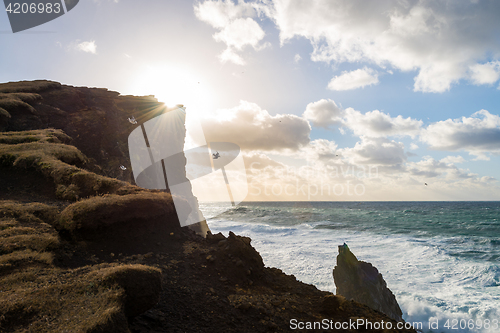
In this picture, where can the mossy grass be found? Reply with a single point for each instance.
(38, 296)
(89, 299)
(107, 210)
(45, 152)
(28, 86)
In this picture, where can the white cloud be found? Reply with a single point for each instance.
(438, 77)
(488, 73)
(230, 55)
(257, 160)
(452, 160)
(431, 168)
(236, 26)
(358, 78)
(219, 14)
(324, 113)
(477, 135)
(376, 151)
(379, 124)
(297, 58)
(251, 127)
(442, 40)
(413, 146)
(89, 47)
(374, 169)
(322, 150)
(241, 32)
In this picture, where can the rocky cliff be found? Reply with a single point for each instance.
(82, 249)
(361, 282)
(96, 121)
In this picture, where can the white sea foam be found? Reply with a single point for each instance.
(428, 282)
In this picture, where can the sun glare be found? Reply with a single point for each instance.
(172, 86)
(176, 85)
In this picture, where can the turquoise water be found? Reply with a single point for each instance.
(441, 259)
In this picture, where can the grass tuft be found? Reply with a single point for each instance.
(45, 152)
(104, 211)
(28, 86)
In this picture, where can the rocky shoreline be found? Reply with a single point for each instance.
(82, 249)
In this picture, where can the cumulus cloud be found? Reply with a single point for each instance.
(428, 167)
(240, 32)
(325, 113)
(322, 150)
(89, 47)
(488, 73)
(374, 169)
(229, 55)
(452, 160)
(358, 78)
(379, 124)
(253, 128)
(259, 161)
(376, 151)
(237, 28)
(219, 14)
(445, 41)
(477, 135)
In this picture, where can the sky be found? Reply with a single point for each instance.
(329, 100)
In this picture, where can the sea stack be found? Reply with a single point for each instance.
(361, 282)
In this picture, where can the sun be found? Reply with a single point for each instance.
(174, 85)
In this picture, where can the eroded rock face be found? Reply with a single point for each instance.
(95, 120)
(360, 281)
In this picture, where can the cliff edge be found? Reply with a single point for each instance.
(83, 249)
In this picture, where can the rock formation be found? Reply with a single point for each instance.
(361, 282)
(94, 120)
(82, 249)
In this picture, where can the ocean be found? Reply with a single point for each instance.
(440, 259)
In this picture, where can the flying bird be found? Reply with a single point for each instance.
(132, 120)
(216, 156)
(425, 184)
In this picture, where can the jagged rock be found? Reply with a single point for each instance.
(102, 146)
(361, 282)
(81, 248)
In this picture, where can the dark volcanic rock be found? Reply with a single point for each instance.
(361, 282)
(94, 120)
(84, 250)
